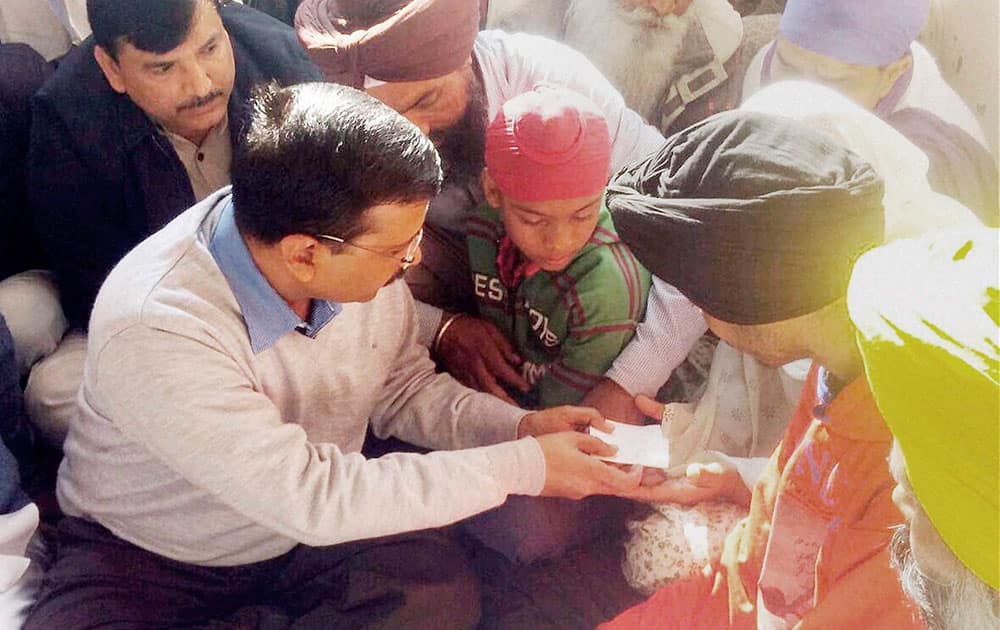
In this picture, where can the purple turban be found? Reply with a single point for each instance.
(387, 40)
(859, 32)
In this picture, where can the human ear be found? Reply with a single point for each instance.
(299, 253)
(493, 195)
(110, 69)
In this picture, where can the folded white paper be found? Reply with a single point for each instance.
(643, 445)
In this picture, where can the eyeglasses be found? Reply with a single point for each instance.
(405, 262)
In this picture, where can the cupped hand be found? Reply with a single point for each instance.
(713, 481)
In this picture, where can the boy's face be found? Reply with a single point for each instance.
(548, 233)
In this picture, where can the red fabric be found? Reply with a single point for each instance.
(691, 604)
(831, 472)
(388, 40)
(548, 144)
(512, 266)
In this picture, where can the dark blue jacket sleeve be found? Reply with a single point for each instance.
(78, 214)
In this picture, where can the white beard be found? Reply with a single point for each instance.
(963, 603)
(636, 50)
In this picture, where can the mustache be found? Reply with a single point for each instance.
(200, 101)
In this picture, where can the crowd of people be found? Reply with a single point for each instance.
(305, 299)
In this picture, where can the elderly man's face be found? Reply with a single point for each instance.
(862, 84)
(186, 89)
(949, 595)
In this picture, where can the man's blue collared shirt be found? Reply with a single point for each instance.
(268, 317)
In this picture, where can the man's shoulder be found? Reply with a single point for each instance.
(512, 64)
(77, 84)
(169, 277)
(77, 108)
(608, 281)
(520, 47)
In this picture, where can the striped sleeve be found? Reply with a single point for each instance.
(605, 305)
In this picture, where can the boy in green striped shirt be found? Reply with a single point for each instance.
(548, 268)
(549, 271)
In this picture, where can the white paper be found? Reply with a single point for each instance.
(643, 445)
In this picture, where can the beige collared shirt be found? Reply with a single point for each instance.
(207, 165)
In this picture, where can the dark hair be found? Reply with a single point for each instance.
(316, 156)
(156, 26)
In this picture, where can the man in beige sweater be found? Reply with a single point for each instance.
(236, 360)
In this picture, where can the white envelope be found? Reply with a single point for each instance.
(643, 445)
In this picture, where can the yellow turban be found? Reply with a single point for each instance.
(927, 313)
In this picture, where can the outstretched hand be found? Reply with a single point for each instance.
(479, 356)
(573, 470)
(700, 482)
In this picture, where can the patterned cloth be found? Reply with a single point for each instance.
(739, 419)
(676, 542)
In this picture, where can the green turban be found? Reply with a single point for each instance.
(927, 313)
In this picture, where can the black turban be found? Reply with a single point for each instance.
(755, 218)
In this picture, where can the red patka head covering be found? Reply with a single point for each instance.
(549, 143)
(356, 41)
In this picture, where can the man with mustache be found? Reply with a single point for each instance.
(427, 60)
(135, 126)
(927, 315)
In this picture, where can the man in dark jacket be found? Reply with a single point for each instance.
(135, 126)
(28, 298)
